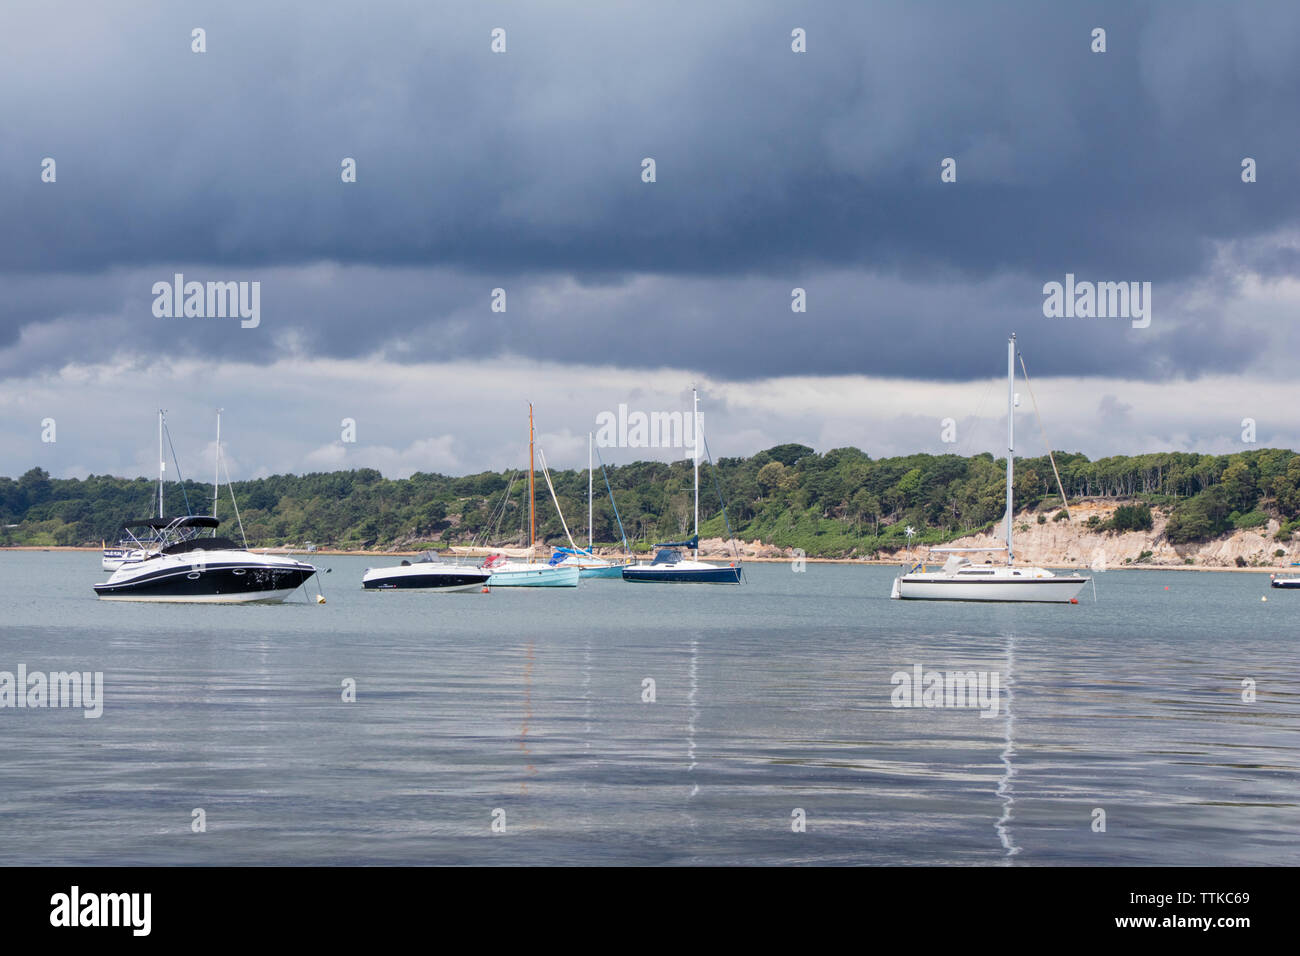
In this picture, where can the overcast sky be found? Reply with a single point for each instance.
(522, 171)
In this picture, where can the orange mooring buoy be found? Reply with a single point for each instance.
(486, 590)
(1074, 600)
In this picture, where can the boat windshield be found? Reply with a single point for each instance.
(668, 556)
(201, 544)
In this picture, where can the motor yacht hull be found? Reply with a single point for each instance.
(428, 577)
(211, 577)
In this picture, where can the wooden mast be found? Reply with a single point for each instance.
(532, 497)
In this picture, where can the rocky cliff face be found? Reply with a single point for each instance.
(1067, 543)
(1072, 544)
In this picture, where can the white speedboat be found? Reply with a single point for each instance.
(960, 580)
(1286, 583)
(133, 547)
(204, 570)
(425, 574)
(192, 565)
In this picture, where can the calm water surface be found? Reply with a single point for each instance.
(768, 697)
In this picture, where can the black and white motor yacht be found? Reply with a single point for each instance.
(192, 568)
(426, 574)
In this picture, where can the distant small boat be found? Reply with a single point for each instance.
(133, 546)
(425, 574)
(588, 565)
(669, 565)
(1290, 584)
(510, 573)
(529, 574)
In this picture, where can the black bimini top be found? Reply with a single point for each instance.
(185, 521)
(202, 544)
(197, 521)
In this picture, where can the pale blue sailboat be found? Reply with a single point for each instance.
(585, 560)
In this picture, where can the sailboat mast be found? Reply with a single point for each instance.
(216, 471)
(532, 497)
(695, 397)
(162, 462)
(1011, 433)
(590, 474)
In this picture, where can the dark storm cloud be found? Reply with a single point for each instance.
(518, 170)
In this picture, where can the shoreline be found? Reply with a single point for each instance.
(891, 562)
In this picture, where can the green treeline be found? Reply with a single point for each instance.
(834, 504)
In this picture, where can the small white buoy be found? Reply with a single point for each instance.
(320, 599)
(1264, 597)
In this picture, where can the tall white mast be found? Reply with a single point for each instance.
(1011, 433)
(589, 478)
(695, 396)
(216, 473)
(162, 462)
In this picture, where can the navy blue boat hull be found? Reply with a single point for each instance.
(685, 576)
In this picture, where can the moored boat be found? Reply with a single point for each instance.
(192, 565)
(204, 570)
(960, 580)
(529, 573)
(670, 566)
(426, 574)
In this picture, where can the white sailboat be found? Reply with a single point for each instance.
(669, 566)
(530, 573)
(960, 580)
(585, 560)
(134, 547)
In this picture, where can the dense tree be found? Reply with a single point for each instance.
(841, 502)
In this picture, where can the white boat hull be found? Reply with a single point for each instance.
(197, 576)
(425, 576)
(257, 597)
(944, 587)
